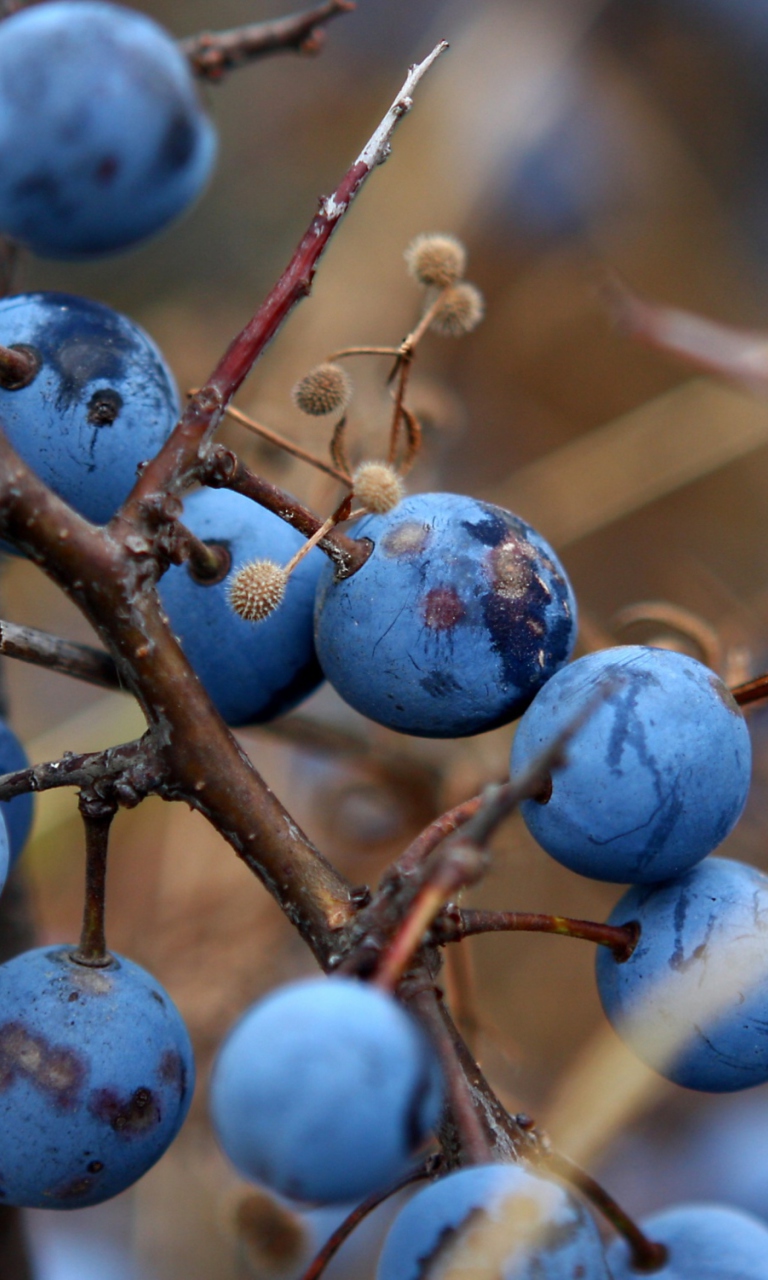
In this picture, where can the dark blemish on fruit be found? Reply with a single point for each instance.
(54, 1069)
(442, 608)
(178, 144)
(439, 684)
(725, 695)
(406, 540)
(73, 995)
(104, 407)
(106, 170)
(95, 1166)
(74, 1190)
(173, 1071)
(511, 568)
(156, 996)
(129, 1116)
(491, 530)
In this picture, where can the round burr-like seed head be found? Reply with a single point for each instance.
(257, 589)
(460, 310)
(377, 486)
(437, 260)
(324, 389)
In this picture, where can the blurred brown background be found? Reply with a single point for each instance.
(557, 140)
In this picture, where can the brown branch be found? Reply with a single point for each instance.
(223, 469)
(211, 54)
(460, 923)
(97, 817)
(288, 446)
(751, 691)
(130, 771)
(433, 835)
(175, 465)
(81, 661)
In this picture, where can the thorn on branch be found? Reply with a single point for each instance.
(212, 54)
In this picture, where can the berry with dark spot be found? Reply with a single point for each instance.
(493, 1220)
(456, 619)
(102, 401)
(88, 1099)
(692, 999)
(655, 777)
(704, 1242)
(253, 671)
(325, 1090)
(102, 134)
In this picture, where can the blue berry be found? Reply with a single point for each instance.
(96, 1078)
(692, 999)
(102, 401)
(655, 778)
(18, 813)
(705, 1242)
(102, 135)
(458, 616)
(494, 1220)
(252, 671)
(324, 1091)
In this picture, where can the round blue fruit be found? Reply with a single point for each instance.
(325, 1090)
(497, 1220)
(96, 1078)
(253, 671)
(102, 135)
(692, 999)
(102, 401)
(457, 618)
(18, 813)
(705, 1242)
(656, 776)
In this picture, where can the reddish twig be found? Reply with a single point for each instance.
(175, 465)
(458, 923)
(751, 691)
(211, 54)
(81, 661)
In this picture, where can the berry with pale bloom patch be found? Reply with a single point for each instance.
(325, 389)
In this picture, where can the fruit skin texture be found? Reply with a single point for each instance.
(18, 813)
(692, 999)
(459, 615)
(517, 1227)
(103, 401)
(324, 1090)
(102, 133)
(96, 1078)
(253, 671)
(655, 778)
(705, 1242)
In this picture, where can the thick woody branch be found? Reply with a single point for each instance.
(212, 53)
(128, 772)
(176, 463)
(81, 661)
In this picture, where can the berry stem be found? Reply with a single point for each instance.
(287, 445)
(211, 54)
(458, 924)
(646, 1255)
(341, 513)
(18, 367)
(751, 691)
(97, 817)
(427, 1169)
(81, 661)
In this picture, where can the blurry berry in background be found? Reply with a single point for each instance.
(656, 776)
(103, 139)
(253, 671)
(96, 1076)
(705, 1242)
(495, 1220)
(459, 615)
(102, 401)
(692, 999)
(18, 813)
(325, 1090)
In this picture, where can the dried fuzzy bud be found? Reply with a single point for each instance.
(437, 260)
(257, 589)
(322, 390)
(460, 310)
(377, 487)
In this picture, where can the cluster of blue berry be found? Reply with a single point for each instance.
(455, 618)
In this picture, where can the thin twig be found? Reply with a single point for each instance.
(460, 923)
(286, 445)
(175, 465)
(751, 691)
(647, 1256)
(81, 661)
(211, 54)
